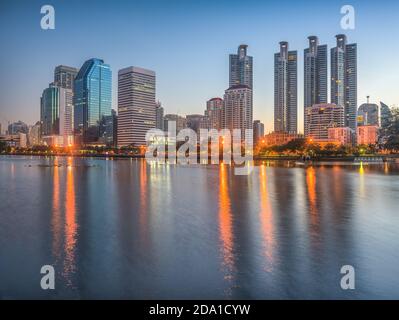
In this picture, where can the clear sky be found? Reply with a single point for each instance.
(187, 44)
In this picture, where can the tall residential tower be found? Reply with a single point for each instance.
(285, 90)
(344, 79)
(315, 75)
(241, 68)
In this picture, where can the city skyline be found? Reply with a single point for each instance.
(190, 97)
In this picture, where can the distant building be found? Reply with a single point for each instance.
(315, 74)
(259, 131)
(64, 76)
(321, 117)
(342, 135)
(368, 115)
(213, 114)
(194, 121)
(110, 133)
(17, 127)
(285, 90)
(136, 105)
(34, 136)
(280, 138)
(159, 116)
(386, 115)
(367, 135)
(344, 79)
(237, 110)
(180, 122)
(92, 100)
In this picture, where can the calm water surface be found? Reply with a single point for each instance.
(125, 229)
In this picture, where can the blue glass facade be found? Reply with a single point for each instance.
(92, 100)
(50, 111)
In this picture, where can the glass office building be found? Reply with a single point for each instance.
(50, 111)
(92, 101)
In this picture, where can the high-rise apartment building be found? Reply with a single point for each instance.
(213, 114)
(92, 100)
(237, 110)
(136, 105)
(241, 68)
(315, 74)
(344, 79)
(321, 117)
(285, 90)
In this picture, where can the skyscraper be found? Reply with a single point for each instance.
(64, 76)
(285, 90)
(237, 111)
(92, 100)
(344, 79)
(241, 67)
(136, 105)
(315, 74)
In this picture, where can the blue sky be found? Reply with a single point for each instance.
(187, 44)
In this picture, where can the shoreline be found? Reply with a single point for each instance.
(255, 158)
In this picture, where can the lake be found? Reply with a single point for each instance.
(125, 229)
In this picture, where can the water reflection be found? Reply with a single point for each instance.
(70, 224)
(312, 195)
(266, 218)
(226, 227)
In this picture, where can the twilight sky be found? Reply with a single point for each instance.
(187, 44)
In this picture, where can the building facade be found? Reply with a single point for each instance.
(280, 138)
(259, 131)
(136, 105)
(321, 117)
(315, 74)
(50, 111)
(342, 135)
(285, 90)
(64, 76)
(213, 114)
(344, 79)
(237, 110)
(367, 135)
(92, 101)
